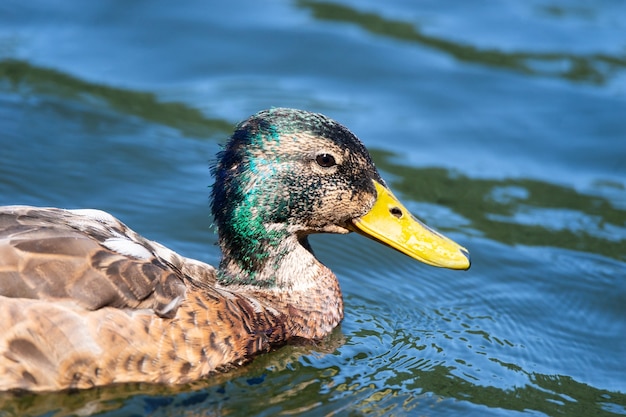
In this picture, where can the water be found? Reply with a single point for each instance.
(503, 124)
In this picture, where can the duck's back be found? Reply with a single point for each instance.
(86, 301)
(86, 257)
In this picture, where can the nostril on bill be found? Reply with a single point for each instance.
(396, 212)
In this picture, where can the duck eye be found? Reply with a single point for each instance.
(325, 160)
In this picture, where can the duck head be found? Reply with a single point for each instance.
(285, 174)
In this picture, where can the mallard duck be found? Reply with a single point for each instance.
(85, 301)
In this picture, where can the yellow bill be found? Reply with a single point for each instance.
(389, 222)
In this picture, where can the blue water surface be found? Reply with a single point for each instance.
(502, 124)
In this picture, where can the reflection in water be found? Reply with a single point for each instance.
(552, 395)
(26, 79)
(593, 68)
(400, 381)
(518, 211)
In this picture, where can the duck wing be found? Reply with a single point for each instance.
(92, 259)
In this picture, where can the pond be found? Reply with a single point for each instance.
(502, 124)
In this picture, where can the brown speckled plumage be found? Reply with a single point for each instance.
(85, 301)
(77, 314)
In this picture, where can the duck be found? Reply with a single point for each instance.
(86, 301)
